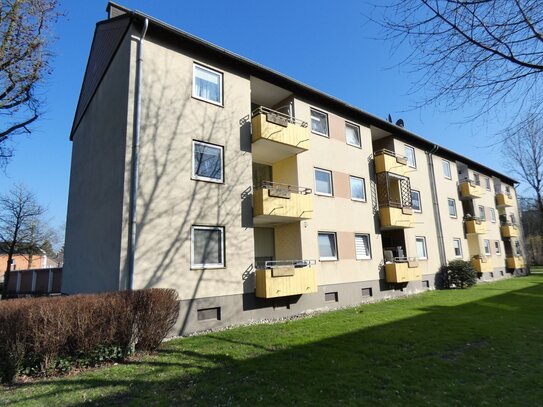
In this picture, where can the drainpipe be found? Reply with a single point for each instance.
(132, 215)
(435, 205)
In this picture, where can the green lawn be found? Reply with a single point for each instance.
(482, 346)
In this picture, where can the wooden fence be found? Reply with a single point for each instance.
(35, 282)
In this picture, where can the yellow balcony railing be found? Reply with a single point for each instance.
(286, 279)
(482, 264)
(475, 226)
(282, 203)
(396, 218)
(277, 136)
(510, 230)
(469, 190)
(388, 161)
(402, 272)
(516, 262)
(503, 200)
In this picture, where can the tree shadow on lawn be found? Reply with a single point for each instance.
(486, 351)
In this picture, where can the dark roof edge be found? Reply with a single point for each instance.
(368, 117)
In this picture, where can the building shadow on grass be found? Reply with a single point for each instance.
(481, 352)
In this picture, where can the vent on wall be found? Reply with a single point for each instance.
(331, 297)
(491, 274)
(425, 283)
(209, 314)
(501, 273)
(367, 292)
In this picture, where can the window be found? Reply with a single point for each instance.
(457, 244)
(323, 182)
(352, 134)
(497, 247)
(319, 123)
(452, 207)
(482, 215)
(487, 184)
(415, 201)
(421, 247)
(358, 189)
(447, 169)
(362, 246)
(327, 246)
(207, 246)
(492, 215)
(486, 244)
(207, 84)
(476, 178)
(410, 154)
(207, 162)
(517, 248)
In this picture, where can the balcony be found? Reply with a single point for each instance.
(396, 218)
(281, 203)
(285, 277)
(515, 262)
(403, 270)
(504, 200)
(389, 161)
(509, 230)
(277, 136)
(482, 264)
(470, 189)
(475, 226)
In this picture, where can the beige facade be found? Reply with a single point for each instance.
(258, 197)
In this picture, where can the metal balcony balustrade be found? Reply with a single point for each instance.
(279, 190)
(472, 182)
(279, 118)
(393, 191)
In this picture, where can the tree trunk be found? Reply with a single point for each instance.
(7, 274)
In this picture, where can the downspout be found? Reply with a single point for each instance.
(435, 205)
(132, 215)
(522, 237)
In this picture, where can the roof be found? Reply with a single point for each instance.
(116, 11)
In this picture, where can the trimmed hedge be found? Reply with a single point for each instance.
(40, 336)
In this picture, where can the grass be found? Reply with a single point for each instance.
(482, 346)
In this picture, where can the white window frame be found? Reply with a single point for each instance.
(497, 248)
(487, 184)
(486, 245)
(205, 265)
(458, 256)
(203, 178)
(408, 147)
(483, 218)
(420, 201)
(212, 71)
(357, 129)
(423, 239)
(327, 134)
(447, 164)
(331, 182)
(361, 257)
(328, 258)
(351, 178)
(492, 215)
(449, 200)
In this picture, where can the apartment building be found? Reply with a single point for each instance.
(256, 196)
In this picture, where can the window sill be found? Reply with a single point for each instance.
(211, 180)
(199, 268)
(320, 134)
(363, 258)
(327, 260)
(211, 102)
(325, 195)
(355, 145)
(358, 200)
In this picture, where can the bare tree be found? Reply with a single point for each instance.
(22, 228)
(24, 62)
(523, 150)
(489, 51)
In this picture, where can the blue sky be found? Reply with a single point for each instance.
(327, 45)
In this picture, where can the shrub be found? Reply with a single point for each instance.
(461, 274)
(44, 335)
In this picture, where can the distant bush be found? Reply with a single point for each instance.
(40, 336)
(460, 274)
